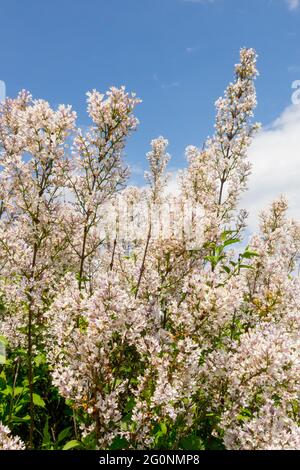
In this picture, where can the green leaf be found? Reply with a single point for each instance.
(8, 391)
(249, 254)
(213, 259)
(192, 443)
(226, 269)
(38, 401)
(18, 408)
(40, 359)
(71, 444)
(119, 443)
(46, 435)
(3, 376)
(25, 419)
(18, 391)
(226, 233)
(232, 241)
(129, 405)
(163, 428)
(219, 251)
(63, 434)
(3, 340)
(246, 266)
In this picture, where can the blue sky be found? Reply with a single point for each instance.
(177, 55)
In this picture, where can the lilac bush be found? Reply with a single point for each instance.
(134, 317)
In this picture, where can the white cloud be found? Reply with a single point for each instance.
(2, 91)
(173, 186)
(275, 154)
(293, 4)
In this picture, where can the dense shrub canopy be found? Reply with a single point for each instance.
(132, 317)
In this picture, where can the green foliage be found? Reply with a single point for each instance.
(218, 254)
(53, 417)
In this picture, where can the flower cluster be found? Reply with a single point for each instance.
(9, 442)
